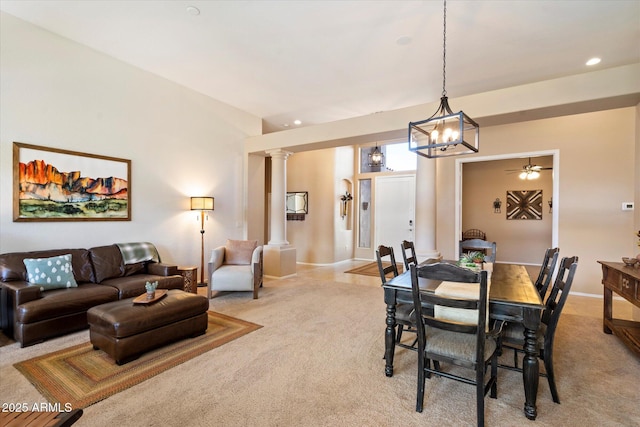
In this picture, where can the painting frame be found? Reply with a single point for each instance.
(62, 192)
(524, 204)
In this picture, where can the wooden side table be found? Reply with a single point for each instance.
(624, 281)
(190, 276)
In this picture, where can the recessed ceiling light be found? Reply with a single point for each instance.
(297, 122)
(192, 10)
(593, 61)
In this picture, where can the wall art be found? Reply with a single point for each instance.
(51, 184)
(524, 204)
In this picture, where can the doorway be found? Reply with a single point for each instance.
(394, 211)
(549, 212)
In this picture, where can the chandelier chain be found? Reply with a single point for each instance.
(444, 51)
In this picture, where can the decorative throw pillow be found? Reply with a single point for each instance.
(50, 273)
(239, 252)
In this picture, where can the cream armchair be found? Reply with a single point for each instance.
(236, 266)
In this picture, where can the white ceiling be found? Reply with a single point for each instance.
(321, 61)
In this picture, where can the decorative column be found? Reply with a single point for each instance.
(279, 256)
(425, 232)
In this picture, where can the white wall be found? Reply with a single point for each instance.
(57, 93)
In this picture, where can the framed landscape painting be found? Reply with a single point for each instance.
(50, 184)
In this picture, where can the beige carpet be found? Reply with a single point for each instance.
(317, 361)
(81, 376)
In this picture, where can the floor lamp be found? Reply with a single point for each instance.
(202, 204)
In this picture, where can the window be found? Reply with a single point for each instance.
(397, 158)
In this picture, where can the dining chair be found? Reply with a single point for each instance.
(442, 339)
(546, 271)
(387, 266)
(479, 245)
(513, 334)
(409, 258)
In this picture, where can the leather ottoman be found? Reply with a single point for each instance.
(125, 330)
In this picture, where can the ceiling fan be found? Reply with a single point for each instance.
(529, 171)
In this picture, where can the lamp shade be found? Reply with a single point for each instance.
(202, 203)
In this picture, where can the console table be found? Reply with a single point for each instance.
(624, 281)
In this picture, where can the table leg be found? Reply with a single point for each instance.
(390, 339)
(530, 364)
(608, 312)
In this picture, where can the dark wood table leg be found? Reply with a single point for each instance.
(530, 364)
(390, 340)
(390, 331)
(608, 312)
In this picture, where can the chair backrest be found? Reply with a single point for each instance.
(450, 273)
(479, 244)
(409, 258)
(546, 271)
(557, 298)
(381, 253)
(474, 233)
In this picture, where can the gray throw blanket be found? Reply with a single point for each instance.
(136, 252)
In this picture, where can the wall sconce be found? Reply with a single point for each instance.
(496, 205)
(550, 202)
(202, 204)
(345, 198)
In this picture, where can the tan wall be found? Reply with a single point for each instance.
(323, 237)
(596, 174)
(482, 183)
(255, 218)
(313, 238)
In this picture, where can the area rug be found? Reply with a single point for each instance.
(82, 376)
(371, 269)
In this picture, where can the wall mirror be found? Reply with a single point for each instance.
(298, 202)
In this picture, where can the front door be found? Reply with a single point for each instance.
(394, 211)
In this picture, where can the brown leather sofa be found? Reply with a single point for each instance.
(30, 315)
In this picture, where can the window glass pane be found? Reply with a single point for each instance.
(364, 214)
(399, 158)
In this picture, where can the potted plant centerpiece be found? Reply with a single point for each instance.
(472, 260)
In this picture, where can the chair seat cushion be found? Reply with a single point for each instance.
(457, 345)
(232, 278)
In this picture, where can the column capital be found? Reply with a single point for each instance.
(279, 153)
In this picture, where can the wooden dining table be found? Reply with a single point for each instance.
(512, 298)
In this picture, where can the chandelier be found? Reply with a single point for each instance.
(445, 133)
